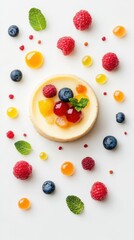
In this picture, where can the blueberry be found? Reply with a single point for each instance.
(16, 75)
(120, 117)
(109, 142)
(48, 187)
(13, 31)
(65, 93)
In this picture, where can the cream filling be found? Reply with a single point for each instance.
(54, 131)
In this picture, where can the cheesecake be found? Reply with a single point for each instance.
(63, 108)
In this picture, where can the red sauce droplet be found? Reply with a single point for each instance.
(103, 38)
(111, 172)
(60, 147)
(11, 96)
(125, 133)
(39, 42)
(22, 47)
(31, 37)
(85, 44)
(85, 145)
(105, 93)
(25, 135)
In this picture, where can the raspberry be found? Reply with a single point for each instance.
(49, 91)
(82, 20)
(110, 61)
(22, 170)
(10, 134)
(73, 116)
(98, 191)
(88, 163)
(66, 44)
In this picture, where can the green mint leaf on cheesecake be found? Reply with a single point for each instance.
(23, 147)
(79, 105)
(37, 19)
(75, 204)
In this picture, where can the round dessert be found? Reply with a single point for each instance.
(63, 108)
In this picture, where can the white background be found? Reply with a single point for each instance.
(49, 218)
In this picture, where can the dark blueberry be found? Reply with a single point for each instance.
(120, 117)
(13, 31)
(109, 142)
(65, 94)
(48, 187)
(16, 75)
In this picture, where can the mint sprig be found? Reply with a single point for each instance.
(23, 147)
(75, 204)
(37, 19)
(78, 105)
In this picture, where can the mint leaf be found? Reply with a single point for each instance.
(79, 105)
(23, 147)
(75, 204)
(37, 19)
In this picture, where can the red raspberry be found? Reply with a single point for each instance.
(22, 170)
(98, 191)
(110, 61)
(10, 134)
(82, 20)
(49, 91)
(66, 44)
(88, 163)
(61, 108)
(73, 115)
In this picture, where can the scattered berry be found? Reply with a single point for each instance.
(109, 142)
(119, 96)
(85, 145)
(24, 134)
(120, 117)
(61, 108)
(82, 20)
(66, 45)
(24, 203)
(10, 134)
(67, 168)
(111, 172)
(110, 61)
(105, 93)
(16, 75)
(64, 94)
(88, 163)
(98, 191)
(85, 44)
(22, 170)
(48, 187)
(31, 37)
(11, 96)
(49, 91)
(13, 30)
(22, 47)
(125, 133)
(103, 39)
